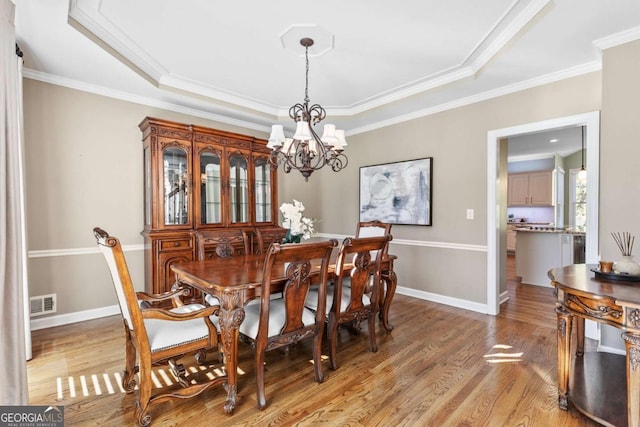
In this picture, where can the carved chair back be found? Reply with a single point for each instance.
(373, 229)
(222, 243)
(268, 235)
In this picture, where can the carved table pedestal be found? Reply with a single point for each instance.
(596, 383)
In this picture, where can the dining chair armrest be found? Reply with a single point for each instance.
(174, 293)
(161, 314)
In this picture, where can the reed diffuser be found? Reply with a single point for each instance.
(626, 265)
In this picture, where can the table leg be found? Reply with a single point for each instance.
(632, 344)
(391, 281)
(231, 316)
(564, 356)
(579, 336)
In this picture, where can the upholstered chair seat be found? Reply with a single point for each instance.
(165, 334)
(277, 318)
(312, 298)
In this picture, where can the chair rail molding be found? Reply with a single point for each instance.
(423, 243)
(47, 253)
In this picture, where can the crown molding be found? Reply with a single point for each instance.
(587, 68)
(529, 157)
(151, 102)
(505, 90)
(617, 39)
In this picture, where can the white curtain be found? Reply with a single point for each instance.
(13, 354)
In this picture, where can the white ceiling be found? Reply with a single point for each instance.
(562, 141)
(375, 62)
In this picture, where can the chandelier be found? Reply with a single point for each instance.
(306, 151)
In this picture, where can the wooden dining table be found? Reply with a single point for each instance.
(237, 280)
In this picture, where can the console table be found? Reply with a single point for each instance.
(594, 382)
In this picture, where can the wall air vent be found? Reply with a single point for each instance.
(43, 304)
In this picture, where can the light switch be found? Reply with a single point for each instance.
(469, 213)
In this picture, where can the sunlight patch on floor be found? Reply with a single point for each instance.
(323, 358)
(503, 356)
(96, 384)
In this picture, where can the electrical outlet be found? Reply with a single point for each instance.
(469, 213)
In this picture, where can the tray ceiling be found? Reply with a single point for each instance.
(374, 62)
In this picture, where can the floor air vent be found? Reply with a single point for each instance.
(43, 304)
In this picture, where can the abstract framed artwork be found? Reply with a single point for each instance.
(397, 193)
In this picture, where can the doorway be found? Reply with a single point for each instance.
(495, 223)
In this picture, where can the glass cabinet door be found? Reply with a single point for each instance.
(176, 186)
(147, 186)
(238, 189)
(262, 189)
(210, 188)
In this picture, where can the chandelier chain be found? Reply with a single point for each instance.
(306, 80)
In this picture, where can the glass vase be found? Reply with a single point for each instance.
(292, 238)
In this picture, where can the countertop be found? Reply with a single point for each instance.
(547, 229)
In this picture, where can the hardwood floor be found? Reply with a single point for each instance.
(441, 366)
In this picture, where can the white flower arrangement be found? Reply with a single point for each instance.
(294, 221)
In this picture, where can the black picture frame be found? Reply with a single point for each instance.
(397, 193)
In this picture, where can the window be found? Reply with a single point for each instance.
(577, 199)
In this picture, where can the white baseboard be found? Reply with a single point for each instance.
(441, 299)
(504, 297)
(614, 350)
(80, 316)
(65, 319)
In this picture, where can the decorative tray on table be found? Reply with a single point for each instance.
(616, 276)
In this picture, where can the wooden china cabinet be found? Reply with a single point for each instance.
(197, 178)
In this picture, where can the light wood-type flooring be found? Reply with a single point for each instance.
(441, 366)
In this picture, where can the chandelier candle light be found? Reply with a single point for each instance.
(306, 151)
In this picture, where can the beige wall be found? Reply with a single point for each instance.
(84, 167)
(620, 147)
(619, 156)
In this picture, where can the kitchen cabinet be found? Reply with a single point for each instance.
(530, 189)
(197, 178)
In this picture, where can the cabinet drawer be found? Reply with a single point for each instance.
(175, 244)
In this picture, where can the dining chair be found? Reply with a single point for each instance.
(156, 336)
(354, 296)
(275, 323)
(268, 235)
(373, 229)
(222, 243)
